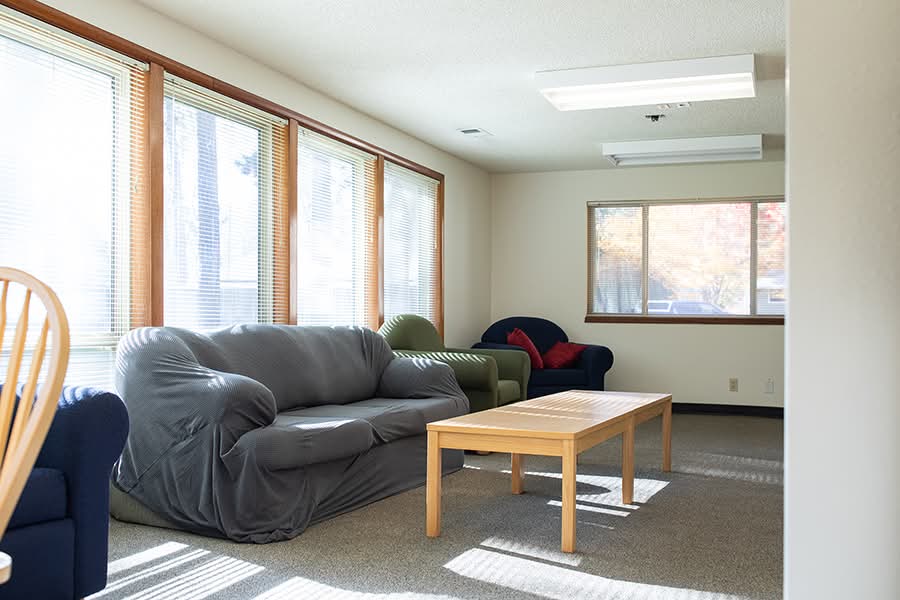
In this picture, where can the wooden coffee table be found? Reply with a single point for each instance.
(563, 424)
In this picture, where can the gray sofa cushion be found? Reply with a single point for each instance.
(390, 418)
(306, 366)
(295, 440)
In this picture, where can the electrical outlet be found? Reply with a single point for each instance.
(770, 385)
(733, 384)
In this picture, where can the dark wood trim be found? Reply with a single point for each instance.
(281, 225)
(439, 309)
(377, 308)
(156, 138)
(685, 320)
(691, 200)
(67, 22)
(775, 412)
(293, 225)
(140, 221)
(589, 300)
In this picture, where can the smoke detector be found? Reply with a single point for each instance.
(474, 132)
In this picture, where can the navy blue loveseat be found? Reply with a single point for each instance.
(59, 532)
(587, 374)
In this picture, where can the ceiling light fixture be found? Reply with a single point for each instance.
(646, 84)
(684, 150)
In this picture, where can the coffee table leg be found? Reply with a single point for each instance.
(569, 464)
(667, 437)
(433, 486)
(517, 472)
(628, 463)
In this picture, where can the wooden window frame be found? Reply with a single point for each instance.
(149, 280)
(752, 319)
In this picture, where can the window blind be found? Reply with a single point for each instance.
(224, 211)
(615, 239)
(337, 233)
(70, 179)
(699, 258)
(412, 269)
(770, 279)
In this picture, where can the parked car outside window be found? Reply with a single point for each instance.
(683, 307)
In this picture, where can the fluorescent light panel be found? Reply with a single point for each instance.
(685, 150)
(695, 80)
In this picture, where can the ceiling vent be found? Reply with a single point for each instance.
(474, 132)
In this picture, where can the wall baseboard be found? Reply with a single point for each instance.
(774, 412)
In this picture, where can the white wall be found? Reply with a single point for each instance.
(467, 192)
(842, 526)
(539, 234)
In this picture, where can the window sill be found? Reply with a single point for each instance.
(687, 319)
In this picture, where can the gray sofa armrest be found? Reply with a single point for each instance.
(239, 405)
(407, 377)
(473, 372)
(172, 397)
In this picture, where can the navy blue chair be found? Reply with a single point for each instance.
(58, 535)
(587, 374)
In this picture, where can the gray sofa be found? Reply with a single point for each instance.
(255, 432)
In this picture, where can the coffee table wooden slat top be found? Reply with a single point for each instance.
(562, 424)
(568, 415)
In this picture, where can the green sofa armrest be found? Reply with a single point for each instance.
(473, 372)
(511, 364)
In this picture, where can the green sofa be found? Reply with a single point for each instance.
(489, 378)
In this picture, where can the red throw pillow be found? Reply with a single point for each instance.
(562, 355)
(517, 337)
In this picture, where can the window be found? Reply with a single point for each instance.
(412, 244)
(712, 259)
(337, 230)
(616, 268)
(67, 179)
(770, 263)
(224, 162)
(699, 257)
(94, 145)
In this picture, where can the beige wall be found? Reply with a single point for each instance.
(467, 193)
(539, 236)
(842, 447)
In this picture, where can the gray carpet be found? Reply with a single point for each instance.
(710, 530)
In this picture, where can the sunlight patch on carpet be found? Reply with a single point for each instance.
(200, 582)
(595, 509)
(736, 468)
(117, 584)
(297, 588)
(514, 547)
(140, 558)
(559, 583)
(644, 489)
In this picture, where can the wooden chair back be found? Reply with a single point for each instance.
(21, 437)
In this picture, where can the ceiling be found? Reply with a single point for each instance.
(432, 67)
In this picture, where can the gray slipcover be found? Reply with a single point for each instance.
(254, 432)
